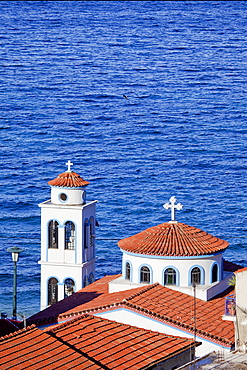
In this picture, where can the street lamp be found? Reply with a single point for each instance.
(15, 253)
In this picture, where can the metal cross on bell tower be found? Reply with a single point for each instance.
(69, 164)
(173, 207)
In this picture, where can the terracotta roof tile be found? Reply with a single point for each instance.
(118, 345)
(94, 295)
(68, 179)
(173, 239)
(33, 349)
(161, 303)
(241, 270)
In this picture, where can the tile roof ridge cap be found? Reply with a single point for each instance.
(88, 311)
(18, 332)
(63, 324)
(143, 290)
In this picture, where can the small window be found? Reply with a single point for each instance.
(87, 236)
(52, 291)
(92, 232)
(170, 277)
(215, 273)
(127, 271)
(63, 197)
(86, 281)
(145, 274)
(68, 287)
(91, 278)
(69, 235)
(196, 275)
(53, 234)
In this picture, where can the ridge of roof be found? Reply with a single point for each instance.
(209, 311)
(188, 327)
(173, 239)
(59, 326)
(140, 291)
(18, 332)
(68, 179)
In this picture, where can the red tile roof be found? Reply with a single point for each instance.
(173, 239)
(241, 270)
(161, 303)
(33, 349)
(119, 346)
(94, 295)
(68, 179)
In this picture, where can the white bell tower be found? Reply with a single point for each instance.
(67, 238)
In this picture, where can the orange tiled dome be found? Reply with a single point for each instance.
(173, 239)
(68, 179)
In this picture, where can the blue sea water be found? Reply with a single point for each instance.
(64, 68)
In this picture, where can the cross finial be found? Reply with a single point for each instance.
(69, 164)
(173, 207)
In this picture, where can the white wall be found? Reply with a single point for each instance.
(59, 262)
(136, 319)
(241, 310)
(158, 264)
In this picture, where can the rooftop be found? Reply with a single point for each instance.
(33, 349)
(88, 342)
(161, 303)
(119, 346)
(68, 179)
(173, 239)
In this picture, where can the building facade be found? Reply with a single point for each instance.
(67, 238)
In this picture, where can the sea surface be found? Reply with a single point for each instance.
(180, 130)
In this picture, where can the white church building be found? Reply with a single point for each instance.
(67, 238)
(175, 255)
(174, 279)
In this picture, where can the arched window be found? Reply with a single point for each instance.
(170, 276)
(215, 273)
(91, 278)
(145, 274)
(69, 235)
(68, 287)
(196, 275)
(86, 281)
(127, 271)
(92, 231)
(52, 291)
(53, 234)
(86, 233)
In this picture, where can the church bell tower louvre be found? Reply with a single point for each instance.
(67, 238)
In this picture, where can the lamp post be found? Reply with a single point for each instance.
(15, 253)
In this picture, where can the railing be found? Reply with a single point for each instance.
(230, 305)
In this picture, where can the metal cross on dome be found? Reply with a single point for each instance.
(69, 164)
(173, 207)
